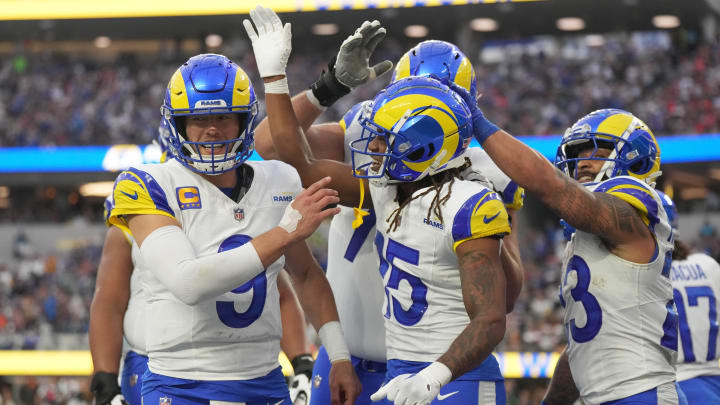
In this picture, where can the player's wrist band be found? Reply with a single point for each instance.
(303, 364)
(314, 101)
(332, 338)
(483, 128)
(327, 89)
(277, 87)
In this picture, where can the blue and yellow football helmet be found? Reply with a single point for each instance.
(210, 84)
(635, 151)
(426, 126)
(163, 140)
(440, 59)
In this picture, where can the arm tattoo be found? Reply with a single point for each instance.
(599, 213)
(482, 285)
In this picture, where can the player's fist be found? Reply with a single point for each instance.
(309, 209)
(344, 384)
(118, 400)
(420, 388)
(271, 41)
(299, 384)
(352, 66)
(299, 389)
(106, 390)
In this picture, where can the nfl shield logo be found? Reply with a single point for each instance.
(165, 401)
(239, 214)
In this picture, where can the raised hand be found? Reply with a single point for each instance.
(271, 42)
(482, 127)
(352, 64)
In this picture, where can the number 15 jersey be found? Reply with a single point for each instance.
(619, 315)
(424, 309)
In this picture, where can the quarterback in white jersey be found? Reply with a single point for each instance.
(620, 320)
(117, 320)
(696, 288)
(427, 240)
(212, 230)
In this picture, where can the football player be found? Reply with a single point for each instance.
(619, 316)
(213, 231)
(116, 313)
(359, 294)
(696, 286)
(430, 265)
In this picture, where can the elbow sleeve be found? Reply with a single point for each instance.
(168, 253)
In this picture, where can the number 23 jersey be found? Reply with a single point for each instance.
(424, 310)
(235, 336)
(619, 316)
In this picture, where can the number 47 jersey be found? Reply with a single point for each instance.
(696, 288)
(619, 316)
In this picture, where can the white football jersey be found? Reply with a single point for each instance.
(133, 320)
(696, 288)
(423, 308)
(622, 336)
(359, 293)
(352, 269)
(235, 336)
(511, 193)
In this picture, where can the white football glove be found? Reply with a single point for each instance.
(352, 64)
(299, 389)
(271, 43)
(118, 400)
(418, 389)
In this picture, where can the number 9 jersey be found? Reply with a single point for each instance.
(236, 335)
(619, 315)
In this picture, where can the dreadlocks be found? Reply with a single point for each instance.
(433, 183)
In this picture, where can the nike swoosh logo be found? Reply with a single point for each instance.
(488, 220)
(441, 397)
(135, 195)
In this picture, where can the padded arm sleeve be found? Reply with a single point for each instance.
(172, 259)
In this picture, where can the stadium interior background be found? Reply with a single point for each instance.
(80, 97)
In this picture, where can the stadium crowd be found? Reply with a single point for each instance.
(51, 99)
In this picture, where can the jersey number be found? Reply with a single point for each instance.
(693, 294)
(359, 236)
(590, 303)
(398, 251)
(226, 309)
